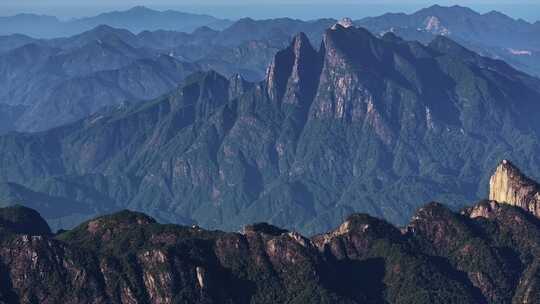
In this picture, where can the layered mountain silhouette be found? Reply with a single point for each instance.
(492, 34)
(365, 124)
(66, 80)
(62, 80)
(53, 77)
(136, 19)
(487, 253)
(58, 75)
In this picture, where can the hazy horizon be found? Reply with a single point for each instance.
(358, 9)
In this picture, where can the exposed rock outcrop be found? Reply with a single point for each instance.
(508, 185)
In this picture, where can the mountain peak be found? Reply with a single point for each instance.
(508, 185)
(101, 32)
(300, 38)
(290, 66)
(140, 9)
(455, 8)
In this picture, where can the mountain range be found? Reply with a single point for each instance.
(487, 253)
(270, 161)
(73, 78)
(492, 34)
(48, 82)
(58, 81)
(136, 19)
(363, 124)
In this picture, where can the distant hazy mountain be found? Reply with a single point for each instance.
(33, 25)
(136, 20)
(140, 19)
(376, 125)
(492, 34)
(81, 96)
(14, 41)
(63, 80)
(275, 31)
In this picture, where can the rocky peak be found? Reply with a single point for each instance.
(508, 185)
(355, 49)
(293, 72)
(356, 64)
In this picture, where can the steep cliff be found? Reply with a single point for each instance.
(508, 185)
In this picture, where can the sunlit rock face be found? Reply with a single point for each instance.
(508, 185)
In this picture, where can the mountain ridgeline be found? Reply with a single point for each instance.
(364, 124)
(48, 83)
(492, 34)
(486, 253)
(136, 19)
(124, 57)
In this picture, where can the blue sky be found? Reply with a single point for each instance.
(305, 9)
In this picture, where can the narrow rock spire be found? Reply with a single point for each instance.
(293, 68)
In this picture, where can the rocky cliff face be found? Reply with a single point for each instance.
(508, 185)
(487, 253)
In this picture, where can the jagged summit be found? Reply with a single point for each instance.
(508, 185)
(291, 69)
